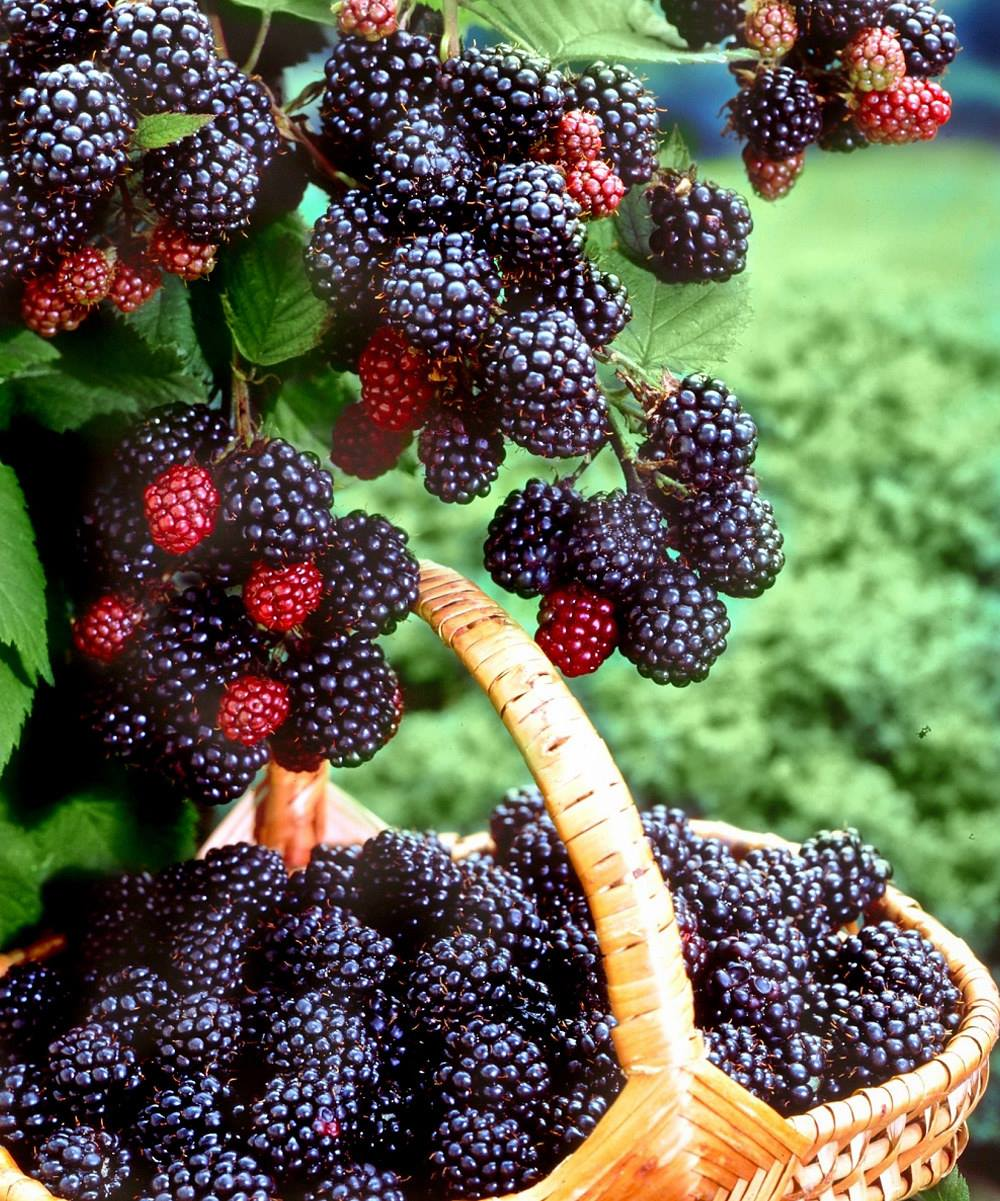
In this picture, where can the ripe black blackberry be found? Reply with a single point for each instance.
(357, 1182)
(615, 541)
(173, 433)
(595, 299)
(854, 875)
(531, 223)
(586, 1052)
(309, 1031)
(493, 1065)
(461, 451)
(572, 1116)
(699, 231)
(326, 882)
(700, 432)
(757, 980)
(209, 952)
(670, 838)
(37, 229)
(926, 34)
(840, 131)
(48, 32)
(206, 766)
(494, 904)
(728, 535)
(778, 113)
(407, 885)
(245, 115)
(301, 1124)
(787, 1077)
(180, 1118)
(92, 1068)
(370, 576)
(440, 289)
(538, 856)
(73, 129)
(33, 999)
(26, 1114)
(244, 876)
(826, 26)
(131, 1002)
(79, 1163)
(883, 957)
(502, 97)
(479, 1153)
(526, 542)
(200, 1034)
(518, 807)
(348, 244)
(213, 1174)
(371, 84)
(163, 51)
(276, 501)
(113, 926)
(725, 896)
(627, 110)
(329, 950)
(705, 22)
(794, 888)
(116, 550)
(539, 370)
(575, 972)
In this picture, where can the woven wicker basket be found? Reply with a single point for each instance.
(680, 1130)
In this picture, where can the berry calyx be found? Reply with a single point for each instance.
(181, 507)
(103, 631)
(396, 388)
(46, 310)
(84, 276)
(913, 111)
(595, 188)
(372, 19)
(772, 178)
(132, 285)
(252, 709)
(576, 629)
(874, 60)
(577, 138)
(771, 28)
(280, 598)
(178, 253)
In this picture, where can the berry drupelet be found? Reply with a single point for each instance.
(699, 232)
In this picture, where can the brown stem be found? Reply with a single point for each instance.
(242, 416)
(626, 455)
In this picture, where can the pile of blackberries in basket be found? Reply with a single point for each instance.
(390, 1023)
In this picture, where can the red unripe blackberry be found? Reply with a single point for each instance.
(913, 111)
(873, 60)
(577, 138)
(372, 19)
(85, 275)
(362, 448)
(771, 28)
(704, 22)
(104, 629)
(46, 310)
(595, 188)
(280, 598)
(181, 508)
(178, 253)
(772, 178)
(132, 285)
(576, 629)
(252, 708)
(396, 388)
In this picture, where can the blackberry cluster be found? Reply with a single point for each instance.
(461, 251)
(76, 77)
(229, 616)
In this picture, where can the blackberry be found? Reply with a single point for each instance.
(503, 98)
(214, 1174)
(786, 1076)
(699, 232)
(207, 767)
(577, 629)
(694, 945)
(310, 1032)
(725, 896)
(130, 1002)
(700, 432)
(84, 277)
(530, 221)
(595, 188)
(277, 501)
(572, 1117)
(370, 577)
(178, 253)
(538, 368)
(357, 1182)
(615, 541)
(595, 299)
(91, 1068)
(494, 904)
(301, 1123)
(327, 881)
(729, 537)
(363, 449)
(757, 980)
(461, 451)
(670, 838)
(50, 31)
(33, 999)
(627, 111)
(587, 1052)
(200, 1034)
(519, 807)
(493, 1065)
(46, 311)
(778, 113)
(854, 875)
(176, 433)
(440, 289)
(772, 178)
(25, 1113)
(840, 131)
(913, 111)
(539, 857)
(79, 1163)
(114, 927)
(246, 115)
(252, 708)
(122, 721)
(326, 950)
(705, 22)
(873, 61)
(371, 84)
(827, 25)
(796, 889)
(407, 885)
(348, 244)
(73, 129)
(479, 1153)
(180, 1118)
(280, 598)
(208, 953)
(163, 51)
(246, 877)
(926, 34)
(575, 971)
(526, 543)
(344, 695)
(37, 229)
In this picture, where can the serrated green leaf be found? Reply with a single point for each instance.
(952, 1188)
(22, 582)
(675, 154)
(16, 694)
(24, 353)
(163, 129)
(631, 226)
(308, 10)
(165, 323)
(270, 308)
(304, 411)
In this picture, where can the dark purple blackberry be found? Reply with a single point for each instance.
(326, 882)
(26, 1115)
(201, 1033)
(518, 808)
(440, 289)
(245, 114)
(73, 129)
(700, 230)
(423, 174)
(49, 32)
(247, 877)
(33, 999)
(615, 541)
(586, 1052)
(302, 1124)
(214, 1174)
(122, 720)
(36, 230)
(92, 1068)
(840, 131)
(571, 1117)
(538, 856)
(209, 953)
(79, 1163)
(854, 875)
(778, 113)
(113, 928)
(756, 980)
(530, 221)
(627, 109)
(725, 896)
(131, 1002)
(595, 299)
(329, 950)
(173, 433)
(116, 550)
(493, 1065)
(182, 892)
(495, 904)
(526, 544)
(371, 84)
(182, 1117)
(461, 452)
(407, 885)
(728, 535)
(357, 1182)
(538, 368)
(926, 34)
(502, 97)
(163, 51)
(700, 432)
(787, 1076)
(670, 838)
(825, 26)
(344, 256)
(705, 22)
(694, 944)
(795, 889)
(206, 766)
(344, 698)
(309, 1031)
(575, 971)
(479, 1153)
(276, 501)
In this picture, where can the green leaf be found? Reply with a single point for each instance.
(16, 695)
(952, 1188)
(269, 306)
(675, 154)
(22, 583)
(304, 411)
(165, 323)
(163, 129)
(308, 10)
(23, 353)
(631, 226)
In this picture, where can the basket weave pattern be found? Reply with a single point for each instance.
(680, 1130)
